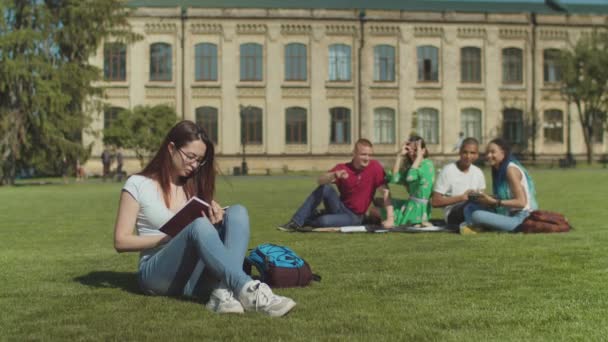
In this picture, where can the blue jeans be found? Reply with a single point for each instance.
(337, 214)
(199, 257)
(480, 216)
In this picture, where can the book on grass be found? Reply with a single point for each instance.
(193, 209)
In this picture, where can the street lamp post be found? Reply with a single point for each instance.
(570, 162)
(243, 110)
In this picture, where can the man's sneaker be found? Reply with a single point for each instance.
(465, 229)
(257, 296)
(222, 301)
(290, 226)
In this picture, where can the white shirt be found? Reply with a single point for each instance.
(524, 184)
(453, 182)
(152, 210)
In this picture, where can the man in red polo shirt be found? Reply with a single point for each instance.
(357, 182)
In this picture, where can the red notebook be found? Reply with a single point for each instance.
(188, 213)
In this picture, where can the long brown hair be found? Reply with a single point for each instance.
(201, 182)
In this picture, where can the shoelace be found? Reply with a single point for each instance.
(262, 296)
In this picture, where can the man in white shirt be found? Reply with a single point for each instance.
(457, 181)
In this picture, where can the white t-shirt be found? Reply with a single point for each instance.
(152, 210)
(453, 182)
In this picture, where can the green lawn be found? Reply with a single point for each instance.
(62, 279)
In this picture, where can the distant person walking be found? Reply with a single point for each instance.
(458, 142)
(119, 162)
(106, 160)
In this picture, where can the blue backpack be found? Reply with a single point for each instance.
(279, 266)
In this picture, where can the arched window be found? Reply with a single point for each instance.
(512, 66)
(340, 125)
(428, 125)
(428, 63)
(205, 62)
(470, 123)
(470, 65)
(295, 62)
(160, 62)
(513, 126)
(206, 117)
(553, 126)
(251, 125)
(295, 126)
(384, 63)
(339, 62)
(551, 69)
(251, 62)
(384, 126)
(114, 62)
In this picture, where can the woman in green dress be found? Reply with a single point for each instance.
(418, 176)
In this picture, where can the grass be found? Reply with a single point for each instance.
(62, 279)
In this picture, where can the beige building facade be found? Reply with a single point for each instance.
(309, 82)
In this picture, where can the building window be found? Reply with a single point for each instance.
(428, 63)
(384, 63)
(251, 62)
(340, 125)
(553, 126)
(470, 65)
(512, 66)
(251, 125)
(551, 68)
(114, 62)
(513, 126)
(295, 126)
(339, 62)
(384, 126)
(160, 62)
(206, 117)
(470, 123)
(205, 59)
(295, 62)
(110, 115)
(428, 125)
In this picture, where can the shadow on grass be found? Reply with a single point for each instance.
(126, 281)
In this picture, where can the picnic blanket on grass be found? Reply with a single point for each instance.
(380, 229)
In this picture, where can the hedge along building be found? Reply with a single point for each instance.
(299, 82)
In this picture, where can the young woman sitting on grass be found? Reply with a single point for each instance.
(417, 176)
(514, 194)
(205, 256)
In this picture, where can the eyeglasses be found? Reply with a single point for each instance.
(191, 157)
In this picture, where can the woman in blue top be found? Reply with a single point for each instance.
(207, 255)
(514, 193)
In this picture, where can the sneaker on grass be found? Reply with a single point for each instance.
(465, 229)
(257, 296)
(290, 226)
(222, 301)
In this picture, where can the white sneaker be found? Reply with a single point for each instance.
(222, 301)
(257, 296)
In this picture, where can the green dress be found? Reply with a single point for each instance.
(419, 184)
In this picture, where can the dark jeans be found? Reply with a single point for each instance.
(456, 215)
(336, 213)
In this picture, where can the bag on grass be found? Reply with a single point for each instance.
(544, 221)
(279, 266)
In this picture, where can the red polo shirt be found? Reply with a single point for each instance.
(357, 191)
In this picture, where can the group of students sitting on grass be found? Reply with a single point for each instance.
(205, 259)
(459, 189)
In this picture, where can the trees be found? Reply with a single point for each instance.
(585, 83)
(141, 129)
(45, 77)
